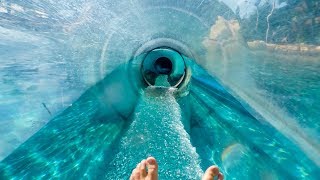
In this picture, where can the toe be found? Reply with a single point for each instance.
(143, 169)
(146, 169)
(136, 173)
(152, 166)
(211, 172)
(220, 176)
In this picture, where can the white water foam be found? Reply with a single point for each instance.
(157, 131)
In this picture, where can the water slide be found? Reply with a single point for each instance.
(89, 88)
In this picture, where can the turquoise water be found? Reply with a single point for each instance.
(265, 151)
(292, 88)
(157, 130)
(73, 102)
(90, 139)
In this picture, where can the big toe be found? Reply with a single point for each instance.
(152, 166)
(211, 172)
(135, 175)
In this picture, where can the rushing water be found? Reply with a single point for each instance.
(157, 130)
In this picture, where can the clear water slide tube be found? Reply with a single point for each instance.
(233, 83)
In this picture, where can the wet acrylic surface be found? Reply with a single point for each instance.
(104, 143)
(70, 145)
(53, 51)
(245, 139)
(293, 84)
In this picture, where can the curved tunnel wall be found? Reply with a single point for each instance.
(163, 62)
(51, 52)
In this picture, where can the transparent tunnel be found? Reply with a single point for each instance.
(89, 88)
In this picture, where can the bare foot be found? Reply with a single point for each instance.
(211, 172)
(146, 170)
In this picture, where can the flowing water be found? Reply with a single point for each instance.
(157, 130)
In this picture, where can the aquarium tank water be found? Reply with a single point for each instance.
(89, 88)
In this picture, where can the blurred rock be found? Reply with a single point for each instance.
(298, 22)
(292, 49)
(225, 43)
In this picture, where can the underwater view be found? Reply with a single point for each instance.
(89, 88)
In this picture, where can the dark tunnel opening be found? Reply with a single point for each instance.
(163, 65)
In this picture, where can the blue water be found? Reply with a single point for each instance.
(157, 130)
(73, 103)
(256, 143)
(294, 87)
(91, 139)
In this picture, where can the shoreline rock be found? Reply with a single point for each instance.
(293, 49)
